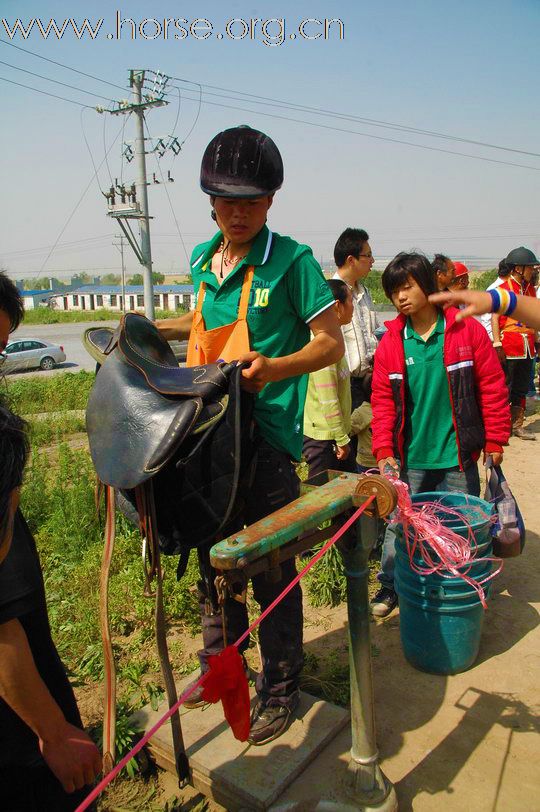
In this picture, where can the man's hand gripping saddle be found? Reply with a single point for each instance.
(167, 439)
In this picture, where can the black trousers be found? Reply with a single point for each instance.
(275, 484)
(518, 375)
(361, 386)
(320, 456)
(35, 789)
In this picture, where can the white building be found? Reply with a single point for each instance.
(35, 298)
(92, 297)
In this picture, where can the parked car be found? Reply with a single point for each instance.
(29, 353)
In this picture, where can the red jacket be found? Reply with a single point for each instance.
(478, 393)
(517, 338)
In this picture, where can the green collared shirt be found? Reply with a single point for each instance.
(287, 292)
(430, 438)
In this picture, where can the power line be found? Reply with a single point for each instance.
(242, 96)
(290, 105)
(124, 119)
(61, 65)
(90, 151)
(60, 245)
(196, 117)
(76, 206)
(372, 136)
(164, 182)
(56, 82)
(105, 146)
(44, 93)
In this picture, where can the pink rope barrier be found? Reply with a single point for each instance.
(441, 549)
(106, 780)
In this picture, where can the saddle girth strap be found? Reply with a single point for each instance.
(109, 712)
(147, 517)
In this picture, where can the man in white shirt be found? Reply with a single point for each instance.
(354, 260)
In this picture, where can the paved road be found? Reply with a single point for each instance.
(69, 336)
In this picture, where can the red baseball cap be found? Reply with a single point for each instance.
(461, 269)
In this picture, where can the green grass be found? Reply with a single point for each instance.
(328, 677)
(55, 430)
(45, 315)
(63, 392)
(58, 502)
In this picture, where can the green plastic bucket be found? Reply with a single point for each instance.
(441, 618)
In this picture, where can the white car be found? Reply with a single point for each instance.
(31, 353)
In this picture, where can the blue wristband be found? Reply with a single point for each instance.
(513, 303)
(495, 300)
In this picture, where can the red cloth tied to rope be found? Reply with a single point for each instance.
(227, 681)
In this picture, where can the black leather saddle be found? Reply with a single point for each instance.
(176, 446)
(143, 406)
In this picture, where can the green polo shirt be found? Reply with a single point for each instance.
(287, 292)
(430, 438)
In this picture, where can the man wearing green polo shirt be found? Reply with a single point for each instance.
(288, 292)
(439, 399)
(288, 297)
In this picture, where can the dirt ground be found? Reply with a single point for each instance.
(463, 742)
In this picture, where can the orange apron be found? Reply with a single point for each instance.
(225, 343)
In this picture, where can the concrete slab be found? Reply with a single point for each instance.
(235, 774)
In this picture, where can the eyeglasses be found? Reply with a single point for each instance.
(3, 356)
(365, 256)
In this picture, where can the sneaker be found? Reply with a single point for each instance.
(384, 602)
(270, 721)
(195, 700)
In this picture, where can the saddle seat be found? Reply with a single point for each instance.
(143, 405)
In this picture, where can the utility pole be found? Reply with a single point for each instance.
(133, 203)
(136, 80)
(121, 249)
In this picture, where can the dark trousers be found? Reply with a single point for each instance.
(320, 456)
(361, 386)
(518, 375)
(275, 484)
(35, 789)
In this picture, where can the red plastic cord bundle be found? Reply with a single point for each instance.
(442, 550)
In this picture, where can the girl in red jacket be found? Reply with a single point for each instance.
(439, 398)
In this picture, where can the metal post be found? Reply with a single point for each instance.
(369, 786)
(137, 79)
(123, 287)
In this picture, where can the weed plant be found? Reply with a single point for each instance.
(58, 393)
(47, 315)
(56, 430)
(328, 678)
(326, 582)
(58, 502)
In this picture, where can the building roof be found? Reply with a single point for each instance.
(36, 292)
(107, 290)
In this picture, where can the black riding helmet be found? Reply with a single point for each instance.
(521, 256)
(241, 162)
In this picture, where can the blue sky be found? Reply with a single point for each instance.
(468, 70)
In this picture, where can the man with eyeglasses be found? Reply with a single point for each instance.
(354, 260)
(47, 761)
